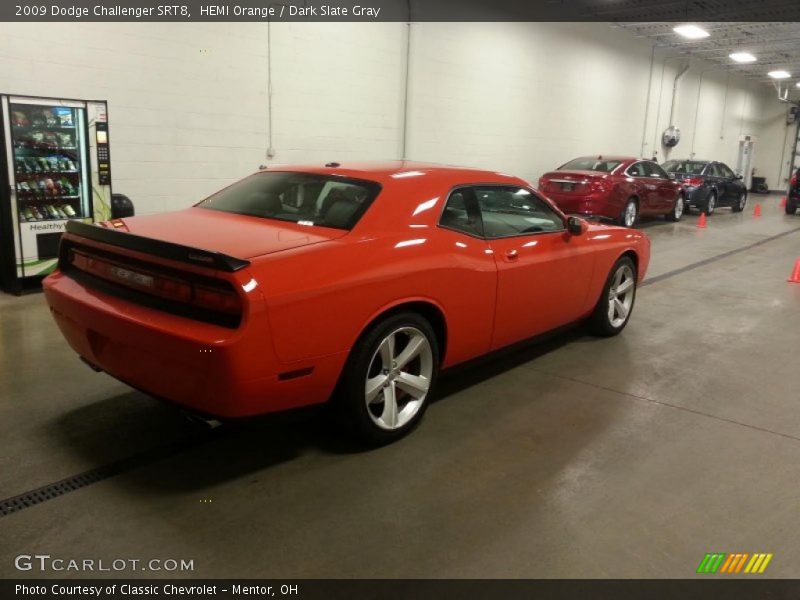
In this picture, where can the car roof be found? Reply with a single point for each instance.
(694, 160)
(398, 170)
(607, 157)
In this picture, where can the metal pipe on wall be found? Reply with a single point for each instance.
(404, 141)
(647, 101)
(680, 74)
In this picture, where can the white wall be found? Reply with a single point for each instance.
(188, 103)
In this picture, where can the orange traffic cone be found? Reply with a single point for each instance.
(783, 202)
(795, 276)
(757, 210)
(701, 223)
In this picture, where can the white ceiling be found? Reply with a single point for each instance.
(775, 44)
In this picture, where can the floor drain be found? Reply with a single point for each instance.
(76, 482)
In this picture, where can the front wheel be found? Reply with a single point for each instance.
(616, 300)
(677, 210)
(629, 213)
(740, 203)
(389, 378)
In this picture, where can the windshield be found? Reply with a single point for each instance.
(689, 167)
(590, 164)
(302, 198)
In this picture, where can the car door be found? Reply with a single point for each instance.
(667, 190)
(646, 188)
(729, 183)
(543, 271)
(714, 181)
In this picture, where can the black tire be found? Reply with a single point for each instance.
(740, 203)
(621, 220)
(791, 206)
(711, 204)
(350, 396)
(599, 322)
(675, 215)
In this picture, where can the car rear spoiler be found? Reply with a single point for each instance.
(169, 250)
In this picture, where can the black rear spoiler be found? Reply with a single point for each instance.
(176, 252)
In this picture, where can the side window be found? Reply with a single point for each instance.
(510, 211)
(725, 171)
(461, 213)
(657, 171)
(636, 170)
(714, 171)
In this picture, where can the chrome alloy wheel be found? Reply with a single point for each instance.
(398, 378)
(711, 205)
(678, 211)
(630, 214)
(742, 201)
(620, 296)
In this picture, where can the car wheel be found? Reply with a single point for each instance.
(629, 213)
(711, 204)
(677, 210)
(791, 206)
(616, 301)
(388, 378)
(740, 203)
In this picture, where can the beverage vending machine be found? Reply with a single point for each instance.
(55, 168)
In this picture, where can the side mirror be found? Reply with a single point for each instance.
(574, 226)
(672, 176)
(739, 177)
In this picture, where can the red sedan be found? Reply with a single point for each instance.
(614, 187)
(355, 283)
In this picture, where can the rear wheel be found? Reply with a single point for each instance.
(711, 204)
(791, 206)
(389, 378)
(677, 210)
(616, 300)
(739, 205)
(629, 214)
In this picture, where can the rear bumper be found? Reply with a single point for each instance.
(206, 368)
(589, 205)
(695, 196)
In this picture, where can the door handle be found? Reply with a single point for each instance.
(512, 254)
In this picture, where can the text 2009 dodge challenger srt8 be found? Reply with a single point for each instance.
(358, 283)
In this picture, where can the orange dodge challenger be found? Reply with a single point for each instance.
(353, 283)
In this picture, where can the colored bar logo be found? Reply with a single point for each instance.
(737, 562)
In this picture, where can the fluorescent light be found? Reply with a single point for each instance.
(797, 84)
(692, 32)
(779, 74)
(742, 57)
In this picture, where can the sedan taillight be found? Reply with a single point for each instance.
(693, 181)
(794, 180)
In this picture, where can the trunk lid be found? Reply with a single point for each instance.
(571, 182)
(228, 233)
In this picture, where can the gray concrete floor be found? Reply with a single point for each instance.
(578, 457)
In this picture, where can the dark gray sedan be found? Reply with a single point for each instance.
(708, 184)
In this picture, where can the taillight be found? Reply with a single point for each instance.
(210, 296)
(693, 181)
(794, 180)
(599, 187)
(542, 183)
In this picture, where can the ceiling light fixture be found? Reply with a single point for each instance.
(691, 32)
(742, 57)
(779, 74)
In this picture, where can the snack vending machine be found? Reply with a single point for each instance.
(55, 167)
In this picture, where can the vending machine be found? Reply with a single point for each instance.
(55, 168)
